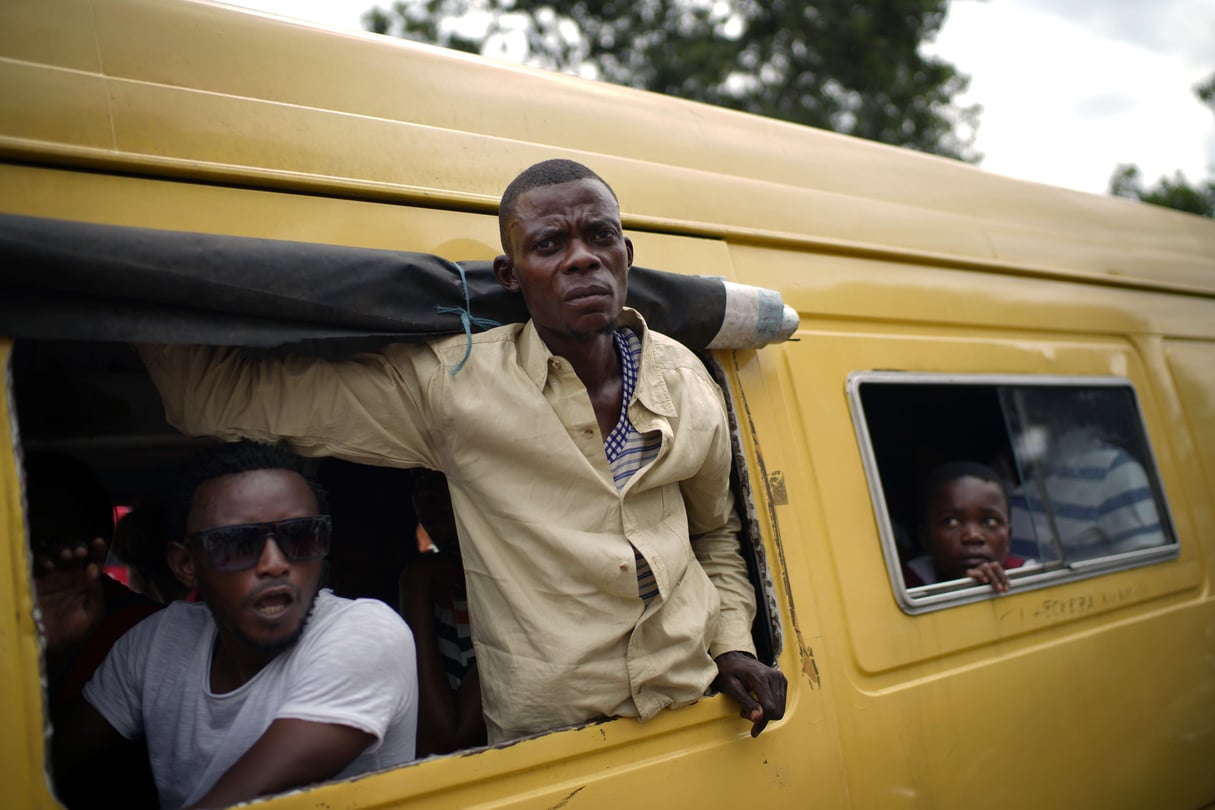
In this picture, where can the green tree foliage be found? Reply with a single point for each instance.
(853, 67)
(1199, 198)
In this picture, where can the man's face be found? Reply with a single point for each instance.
(265, 606)
(967, 524)
(569, 259)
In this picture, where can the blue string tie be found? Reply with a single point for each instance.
(467, 319)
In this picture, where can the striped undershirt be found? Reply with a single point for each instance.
(453, 632)
(627, 449)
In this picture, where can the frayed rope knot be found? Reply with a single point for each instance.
(467, 319)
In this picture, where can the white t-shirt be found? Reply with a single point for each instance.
(354, 665)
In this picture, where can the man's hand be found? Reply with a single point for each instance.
(70, 598)
(757, 687)
(991, 573)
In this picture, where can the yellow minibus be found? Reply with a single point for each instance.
(934, 312)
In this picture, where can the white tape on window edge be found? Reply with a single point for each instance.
(754, 317)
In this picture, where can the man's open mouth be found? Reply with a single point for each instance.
(274, 603)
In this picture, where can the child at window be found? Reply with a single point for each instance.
(964, 528)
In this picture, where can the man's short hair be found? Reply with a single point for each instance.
(546, 173)
(231, 459)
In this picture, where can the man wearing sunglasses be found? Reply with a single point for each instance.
(271, 683)
(588, 460)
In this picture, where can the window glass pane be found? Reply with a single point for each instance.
(1084, 464)
(1031, 539)
(916, 428)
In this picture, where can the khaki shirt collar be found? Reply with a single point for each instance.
(652, 392)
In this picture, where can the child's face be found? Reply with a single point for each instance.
(966, 524)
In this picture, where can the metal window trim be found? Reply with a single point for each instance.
(940, 595)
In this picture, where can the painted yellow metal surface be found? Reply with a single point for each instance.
(954, 689)
(197, 90)
(22, 752)
(193, 116)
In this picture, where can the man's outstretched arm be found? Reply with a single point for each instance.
(291, 753)
(714, 529)
(368, 408)
(758, 688)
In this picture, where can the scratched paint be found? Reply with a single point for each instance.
(1055, 608)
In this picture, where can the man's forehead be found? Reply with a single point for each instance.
(253, 490)
(587, 195)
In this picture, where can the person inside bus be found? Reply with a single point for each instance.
(268, 684)
(1098, 497)
(434, 601)
(964, 527)
(139, 540)
(71, 525)
(588, 460)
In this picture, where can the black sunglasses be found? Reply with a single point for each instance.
(235, 548)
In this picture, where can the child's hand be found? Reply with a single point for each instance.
(990, 573)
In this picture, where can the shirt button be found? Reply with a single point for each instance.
(588, 432)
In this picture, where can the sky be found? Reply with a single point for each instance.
(1069, 88)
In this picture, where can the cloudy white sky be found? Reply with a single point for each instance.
(1069, 88)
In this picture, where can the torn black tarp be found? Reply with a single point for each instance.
(79, 281)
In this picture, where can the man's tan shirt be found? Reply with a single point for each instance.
(561, 635)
